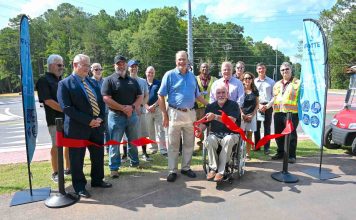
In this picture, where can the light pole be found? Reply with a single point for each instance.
(226, 47)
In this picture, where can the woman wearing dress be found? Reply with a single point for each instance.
(249, 108)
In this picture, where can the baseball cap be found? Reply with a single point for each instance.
(133, 62)
(119, 58)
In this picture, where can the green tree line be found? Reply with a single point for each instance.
(339, 23)
(151, 36)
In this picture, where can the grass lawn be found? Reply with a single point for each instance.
(13, 177)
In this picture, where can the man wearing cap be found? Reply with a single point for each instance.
(182, 90)
(123, 96)
(142, 129)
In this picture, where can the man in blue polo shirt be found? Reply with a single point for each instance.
(182, 90)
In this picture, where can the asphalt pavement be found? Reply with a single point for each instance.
(254, 196)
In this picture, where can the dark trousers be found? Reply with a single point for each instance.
(76, 157)
(266, 126)
(280, 120)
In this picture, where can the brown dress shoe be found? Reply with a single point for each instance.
(218, 177)
(211, 175)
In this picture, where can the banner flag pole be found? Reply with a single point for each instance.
(314, 88)
(30, 116)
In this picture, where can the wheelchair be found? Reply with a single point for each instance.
(235, 167)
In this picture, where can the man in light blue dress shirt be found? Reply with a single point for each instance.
(182, 90)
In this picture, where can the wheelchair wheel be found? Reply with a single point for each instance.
(240, 158)
(205, 161)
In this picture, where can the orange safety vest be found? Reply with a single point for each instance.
(287, 101)
(207, 91)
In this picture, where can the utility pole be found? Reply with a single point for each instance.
(276, 68)
(190, 36)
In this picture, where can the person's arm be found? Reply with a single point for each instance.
(270, 103)
(53, 104)
(162, 106)
(202, 100)
(138, 101)
(240, 93)
(211, 116)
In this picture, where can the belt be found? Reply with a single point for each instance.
(181, 109)
(118, 112)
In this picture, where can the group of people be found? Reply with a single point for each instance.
(98, 109)
(249, 102)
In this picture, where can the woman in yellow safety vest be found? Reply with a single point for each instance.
(286, 94)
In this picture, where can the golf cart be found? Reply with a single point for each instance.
(342, 129)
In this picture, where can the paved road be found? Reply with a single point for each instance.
(12, 127)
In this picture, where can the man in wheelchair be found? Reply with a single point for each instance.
(219, 134)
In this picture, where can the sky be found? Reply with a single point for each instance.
(276, 22)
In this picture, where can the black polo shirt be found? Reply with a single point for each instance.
(46, 87)
(231, 108)
(123, 90)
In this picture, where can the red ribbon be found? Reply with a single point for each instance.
(233, 127)
(78, 143)
(196, 126)
(287, 130)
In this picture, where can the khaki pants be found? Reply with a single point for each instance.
(156, 131)
(180, 123)
(218, 162)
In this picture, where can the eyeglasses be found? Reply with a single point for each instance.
(240, 68)
(60, 65)
(286, 69)
(248, 78)
(84, 65)
(98, 69)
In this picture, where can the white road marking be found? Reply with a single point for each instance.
(17, 136)
(7, 111)
(23, 147)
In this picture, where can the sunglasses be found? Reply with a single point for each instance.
(60, 65)
(247, 78)
(98, 69)
(286, 69)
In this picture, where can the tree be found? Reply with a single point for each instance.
(339, 25)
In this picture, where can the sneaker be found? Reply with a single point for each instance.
(114, 174)
(67, 172)
(145, 157)
(267, 152)
(55, 177)
(123, 158)
(292, 160)
(188, 173)
(171, 177)
(165, 154)
(154, 151)
(135, 166)
(277, 157)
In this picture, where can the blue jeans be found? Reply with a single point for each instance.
(118, 124)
